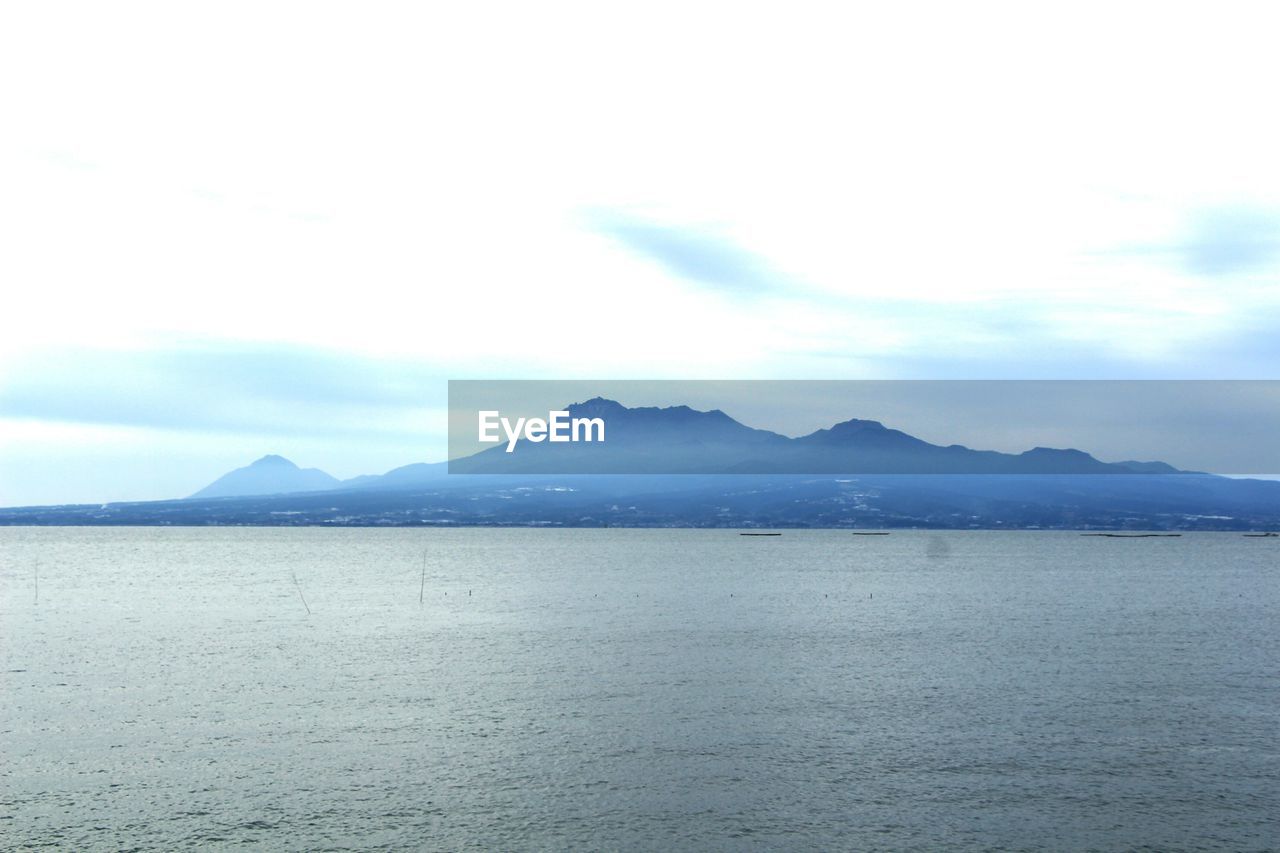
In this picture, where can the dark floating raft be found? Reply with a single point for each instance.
(759, 534)
(1262, 535)
(1131, 535)
(869, 532)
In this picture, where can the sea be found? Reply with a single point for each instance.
(549, 689)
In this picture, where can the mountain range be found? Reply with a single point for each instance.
(682, 467)
(681, 440)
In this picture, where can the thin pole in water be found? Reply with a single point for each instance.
(300, 595)
(422, 587)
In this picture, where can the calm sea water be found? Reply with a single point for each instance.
(637, 689)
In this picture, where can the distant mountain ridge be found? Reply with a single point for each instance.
(681, 440)
(962, 489)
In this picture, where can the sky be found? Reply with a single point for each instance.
(238, 229)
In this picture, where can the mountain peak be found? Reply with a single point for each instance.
(1055, 451)
(272, 460)
(858, 425)
(596, 406)
(270, 475)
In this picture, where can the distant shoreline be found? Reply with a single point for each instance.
(1113, 533)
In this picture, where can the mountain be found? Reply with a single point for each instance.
(681, 440)
(643, 440)
(404, 477)
(270, 475)
(725, 474)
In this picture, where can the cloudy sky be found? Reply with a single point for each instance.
(229, 230)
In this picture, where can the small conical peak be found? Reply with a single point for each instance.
(272, 460)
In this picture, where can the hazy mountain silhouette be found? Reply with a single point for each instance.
(270, 475)
(680, 440)
(678, 467)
